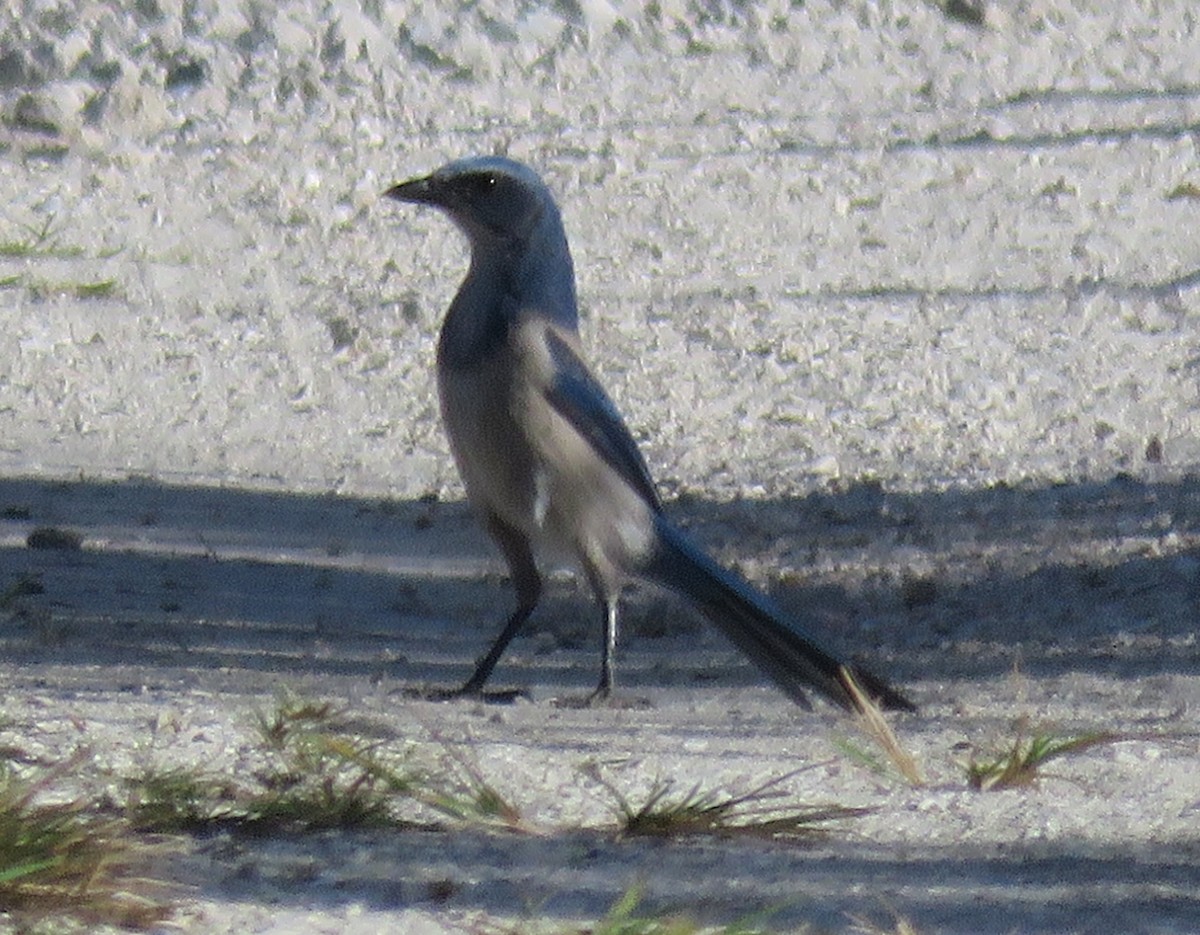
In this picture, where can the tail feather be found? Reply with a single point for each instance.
(777, 645)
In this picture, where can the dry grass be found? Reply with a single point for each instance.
(872, 722)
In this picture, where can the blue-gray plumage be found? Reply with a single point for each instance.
(544, 454)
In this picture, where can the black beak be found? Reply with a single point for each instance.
(416, 191)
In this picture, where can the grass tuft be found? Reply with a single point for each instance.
(99, 289)
(756, 813)
(44, 241)
(1020, 764)
(65, 859)
(461, 792)
(314, 778)
(38, 241)
(320, 775)
(181, 801)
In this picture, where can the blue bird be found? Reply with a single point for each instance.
(547, 460)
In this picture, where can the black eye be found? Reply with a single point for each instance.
(484, 182)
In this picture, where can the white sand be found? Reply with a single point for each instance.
(817, 243)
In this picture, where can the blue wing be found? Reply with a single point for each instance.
(581, 400)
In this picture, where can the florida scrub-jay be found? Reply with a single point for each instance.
(546, 458)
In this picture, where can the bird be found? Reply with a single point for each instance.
(549, 464)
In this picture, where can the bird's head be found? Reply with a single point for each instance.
(496, 201)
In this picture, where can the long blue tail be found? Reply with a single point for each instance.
(777, 645)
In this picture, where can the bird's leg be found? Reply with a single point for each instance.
(604, 695)
(608, 606)
(473, 686)
(528, 584)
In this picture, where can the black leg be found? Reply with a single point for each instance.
(528, 585)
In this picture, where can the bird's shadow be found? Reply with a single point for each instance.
(936, 585)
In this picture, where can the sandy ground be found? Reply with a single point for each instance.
(905, 311)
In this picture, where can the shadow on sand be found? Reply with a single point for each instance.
(1102, 577)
